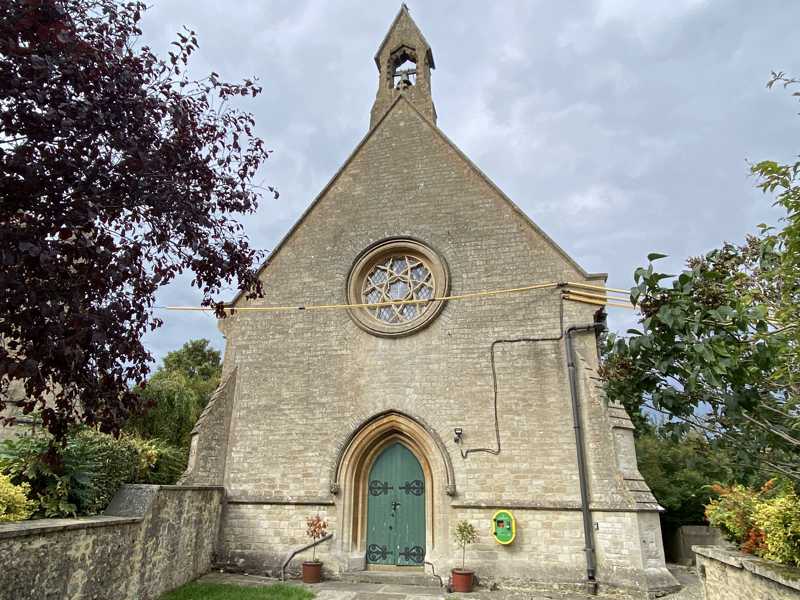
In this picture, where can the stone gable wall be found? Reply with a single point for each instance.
(306, 379)
(151, 540)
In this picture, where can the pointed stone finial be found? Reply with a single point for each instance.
(404, 61)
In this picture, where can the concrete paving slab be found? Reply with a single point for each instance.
(342, 586)
(334, 595)
(348, 590)
(413, 590)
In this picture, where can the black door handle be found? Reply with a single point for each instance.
(395, 504)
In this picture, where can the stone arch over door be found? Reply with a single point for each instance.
(350, 474)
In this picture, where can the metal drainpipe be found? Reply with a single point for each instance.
(591, 562)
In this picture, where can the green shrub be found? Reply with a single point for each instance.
(109, 462)
(779, 519)
(170, 465)
(92, 466)
(732, 512)
(24, 460)
(14, 502)
(159, 462)
(765, 522)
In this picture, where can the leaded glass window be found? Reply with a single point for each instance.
(398, 277)
(405, 278)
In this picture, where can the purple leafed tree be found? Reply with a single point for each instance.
(117, 173)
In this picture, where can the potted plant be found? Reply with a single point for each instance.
(316, 528)
(462, 578)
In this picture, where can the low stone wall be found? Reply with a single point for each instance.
(678, 542)
(730, 575)
(151, 539)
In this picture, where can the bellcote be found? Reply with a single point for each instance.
(404, 61)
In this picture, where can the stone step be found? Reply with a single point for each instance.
(418, 578)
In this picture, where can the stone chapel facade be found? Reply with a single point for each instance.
(397, 421)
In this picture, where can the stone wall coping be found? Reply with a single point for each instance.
(196, 488)
(176, 488)
(556, 506)
(136, 515)
(39, 526)
(280, 500)
(733, 558)
(782, 574)
(566, 506)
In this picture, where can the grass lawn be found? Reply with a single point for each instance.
(217, 591)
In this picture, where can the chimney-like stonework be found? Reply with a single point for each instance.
(404, 62)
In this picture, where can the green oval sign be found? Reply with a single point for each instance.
(504, 527)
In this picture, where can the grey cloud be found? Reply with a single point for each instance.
(621, 127)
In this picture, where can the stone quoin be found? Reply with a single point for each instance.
(397, 421)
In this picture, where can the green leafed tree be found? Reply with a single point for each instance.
(680, 471)
(717, 350)
(178, 392)
(119, 171)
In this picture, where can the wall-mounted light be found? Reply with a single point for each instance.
(458, 433)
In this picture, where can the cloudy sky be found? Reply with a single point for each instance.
(621, 127)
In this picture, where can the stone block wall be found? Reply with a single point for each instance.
(207, 451)
(678, 542)
(271, 532)
(303, 383)
(730, 575)
(152, 539)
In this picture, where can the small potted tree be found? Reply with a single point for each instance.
(462, 578)
(316, 528)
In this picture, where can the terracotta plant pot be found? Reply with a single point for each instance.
(462, 580)
(312, 572)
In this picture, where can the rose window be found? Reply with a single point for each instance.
(405, 278)
(398, 278)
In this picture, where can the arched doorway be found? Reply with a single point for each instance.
(350, 476)
(396, 509)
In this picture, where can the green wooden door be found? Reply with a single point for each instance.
(396, 509)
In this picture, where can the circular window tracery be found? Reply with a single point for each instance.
(398, 277)
(402, 277)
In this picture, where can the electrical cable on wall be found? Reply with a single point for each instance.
(468, 451)
(576, 292)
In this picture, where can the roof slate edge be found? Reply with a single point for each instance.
(472, 165)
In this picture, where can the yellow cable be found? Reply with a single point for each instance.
(597, 302)
(481, 294)
(597, 287)
(574, 295)
(595, 296)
